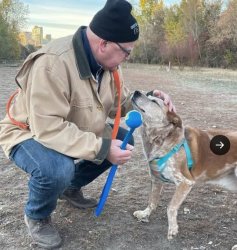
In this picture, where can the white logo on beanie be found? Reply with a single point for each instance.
(135, 28)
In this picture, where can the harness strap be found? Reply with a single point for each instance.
(118, 114)
(188, 155)
(161, 162)
(13, 121)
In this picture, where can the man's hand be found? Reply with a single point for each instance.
(166, 98)
(118, 156)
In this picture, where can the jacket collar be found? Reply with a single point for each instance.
(96, 69)
(80, 55)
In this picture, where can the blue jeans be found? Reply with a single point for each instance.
(52, 172)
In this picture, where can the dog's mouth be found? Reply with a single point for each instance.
(135, 105)
(135, 97)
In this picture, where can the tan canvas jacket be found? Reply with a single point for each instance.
(59, 100)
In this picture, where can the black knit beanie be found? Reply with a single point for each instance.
(115, 22)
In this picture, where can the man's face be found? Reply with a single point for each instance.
(111, 54)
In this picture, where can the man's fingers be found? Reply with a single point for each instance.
(124, 160)
(125, 153)
(167, 101)
(129, 147)
(173, 108)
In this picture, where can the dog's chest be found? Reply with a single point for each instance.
(169, 172)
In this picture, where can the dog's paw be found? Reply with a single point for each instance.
(141, 215)
(173, 231)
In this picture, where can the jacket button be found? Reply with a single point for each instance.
(99, 107)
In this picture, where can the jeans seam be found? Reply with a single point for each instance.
(31, 157)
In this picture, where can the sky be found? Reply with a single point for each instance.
(63, 17)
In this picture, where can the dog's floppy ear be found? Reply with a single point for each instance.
(174, 118)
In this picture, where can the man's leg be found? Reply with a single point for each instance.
(50, 174)
(86, 172)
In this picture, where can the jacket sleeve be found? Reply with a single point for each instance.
(49, 106)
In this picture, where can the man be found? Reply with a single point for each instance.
(67, 91)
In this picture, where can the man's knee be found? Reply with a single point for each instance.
(57, 173)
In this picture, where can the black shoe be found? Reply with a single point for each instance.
(76, 198)
(43, 233)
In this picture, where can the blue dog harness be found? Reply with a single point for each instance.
(161, 162)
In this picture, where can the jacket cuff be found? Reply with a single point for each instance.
(102, 154)
(105, 146)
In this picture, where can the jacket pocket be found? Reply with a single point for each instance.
(81, 113)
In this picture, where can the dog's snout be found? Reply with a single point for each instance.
(137, 94)
(136, 100)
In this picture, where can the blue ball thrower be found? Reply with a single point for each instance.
(133, 120)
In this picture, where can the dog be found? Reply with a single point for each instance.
(180, 155)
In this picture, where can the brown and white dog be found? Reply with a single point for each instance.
(162, 131)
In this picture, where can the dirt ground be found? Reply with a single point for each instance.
(204, 98)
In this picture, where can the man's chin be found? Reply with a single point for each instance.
(112, 68)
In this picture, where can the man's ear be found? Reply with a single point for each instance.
(174, 118)
(102, 45)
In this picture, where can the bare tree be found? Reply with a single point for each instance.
(14, 13)
(193, 19)
(12, 17)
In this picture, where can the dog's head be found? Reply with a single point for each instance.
(160, 126)
(155, 114)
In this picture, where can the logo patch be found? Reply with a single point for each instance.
(135, 28)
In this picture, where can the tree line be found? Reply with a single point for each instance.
(194, 32)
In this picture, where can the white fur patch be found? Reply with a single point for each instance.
(228, 181)
(173, 174)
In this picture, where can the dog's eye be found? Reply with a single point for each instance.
(154, 101)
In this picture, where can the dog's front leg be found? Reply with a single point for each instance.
(180, 194)
(156, 189)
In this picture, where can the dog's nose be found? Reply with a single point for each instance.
(137, 93)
